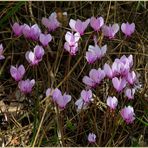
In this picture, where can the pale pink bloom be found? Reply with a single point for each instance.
(26, 86)
(120, 68)
(128, 114)
(31, 32)
(56, 94)
(60, 99)
(81, 104)
(129, 92)
(126, 60)
(96, 23)
(88, 81)
(51, 23)
(78, 25)
(17, 29)
(95, 52)
(63, 100)
(95, 77)
(110, 31)
(35, 57)
(17, 72)
(119, 83)
(91, 138)
(131, 78)
(86, 95)
(45, 39)
(112, 102)
(108, 71)
(71, 44)
(127, 28)
(71, 49)
(49, 92)
(72, 38)
(1, 52)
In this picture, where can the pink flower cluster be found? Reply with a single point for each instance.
(58, 98)
(17, 74)
(78, 26)
(120, 72)
(123, 78)
(34, 32)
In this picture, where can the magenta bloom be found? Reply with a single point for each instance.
(108, 71)
(86, 95)
(45, 39)
(81, 104)
(95, 52)
(119, 83)
(120, 68)
(17, 29)
(63, 100)
(35, 57)
(71, 44)
(60, 99)
(96, 23)
(32, 32)
(127, 28)
(127, 60)
(129, 93)
(95, 77)
(49, 92)
(131, 78)
(78, 25)
(17, 72)
(110, 31)
(112, 102)
(26, 86)
(51, 23)
(1, 52)
(91, 138)
(128, 114)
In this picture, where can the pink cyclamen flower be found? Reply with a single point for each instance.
(51, 23)
(131, 78)
(1, 52)
(112, 102)
(108, 71)
(95, 77)
(35, 57)
(60, 99)
(45, 39)
(119, 83)
(86, 95)
(126, 60)
(96, 23)
(91, 138)
(17, 29)
(49, 92)
(129, 93)
(95, 52)
(110, 31)
(31, 32)
(71, 44)
(81, 104)
(78, 25)
(127, 28)
(63, 100)
(26, 86)
(120, 68)
(17, 72)
(128, 114)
